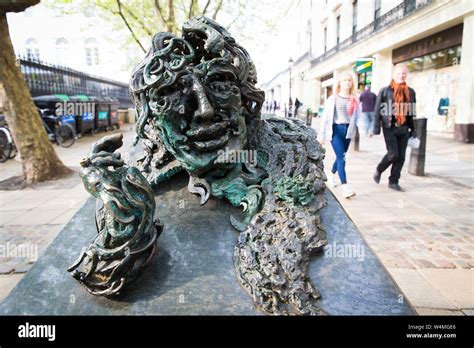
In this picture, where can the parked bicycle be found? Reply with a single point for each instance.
(59, 131)
(7, 147)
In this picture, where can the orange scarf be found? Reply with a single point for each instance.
(401, 98)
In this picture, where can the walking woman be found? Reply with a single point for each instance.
(338, 124)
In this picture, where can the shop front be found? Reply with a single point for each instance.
(327, 83)
(363, 69)
(434, 72)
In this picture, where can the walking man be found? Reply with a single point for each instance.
(395, 111)
(367, 98)
(297, 106)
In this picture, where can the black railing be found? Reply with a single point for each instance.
(399, 12)
(44, 79)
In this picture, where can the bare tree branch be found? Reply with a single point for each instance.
(105, 8)
(206, 7)
(192, 6)
(138, 20)
(217, 9)
(159, 11)
(171, 17)
(120, 13)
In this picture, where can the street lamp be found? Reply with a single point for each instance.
(290, 102)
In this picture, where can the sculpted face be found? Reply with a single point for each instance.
(199, 115)
(195, 92)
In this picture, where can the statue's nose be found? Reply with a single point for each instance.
(204, 111)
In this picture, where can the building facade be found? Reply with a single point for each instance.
(368, 37)
(81, 41)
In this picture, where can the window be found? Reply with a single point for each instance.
(92, 52)
(325, 39)
(32, 50)
(354, 17)
(378, 5)
(61, 50)
(96, 55)
(436, 60)
(338, 29)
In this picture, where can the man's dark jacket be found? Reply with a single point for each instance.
(384, 117)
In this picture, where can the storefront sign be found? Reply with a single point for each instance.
(439, 41)
(363, 65)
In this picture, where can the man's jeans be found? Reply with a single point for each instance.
(367, 124)
(396, 140)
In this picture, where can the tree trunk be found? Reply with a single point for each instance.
(39, 159)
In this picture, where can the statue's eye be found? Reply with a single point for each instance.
(222, 76)
(225, 87)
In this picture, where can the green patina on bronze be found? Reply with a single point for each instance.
(196, 97)
(295, 190)
(127, 231)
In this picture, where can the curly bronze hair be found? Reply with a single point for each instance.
(205, 49)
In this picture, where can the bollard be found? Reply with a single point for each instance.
(309, 117)
(417, 156)
(355, 141)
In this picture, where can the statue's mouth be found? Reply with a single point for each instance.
(210, 136)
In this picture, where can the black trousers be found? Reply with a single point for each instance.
(396, 140)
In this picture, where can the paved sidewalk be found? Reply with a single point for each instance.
(423, 236)
(31, 218)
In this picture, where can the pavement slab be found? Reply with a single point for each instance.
(455, 284)
(419, 290)
(423, 235)
(32, 217)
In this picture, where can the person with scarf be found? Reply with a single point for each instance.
(338, 124)
(395, 113)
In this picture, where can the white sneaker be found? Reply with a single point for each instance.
(332, 180)
(347, 191)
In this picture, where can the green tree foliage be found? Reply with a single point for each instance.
(250, 21)
(143, 18)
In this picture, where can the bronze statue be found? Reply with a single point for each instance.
(199, 112)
